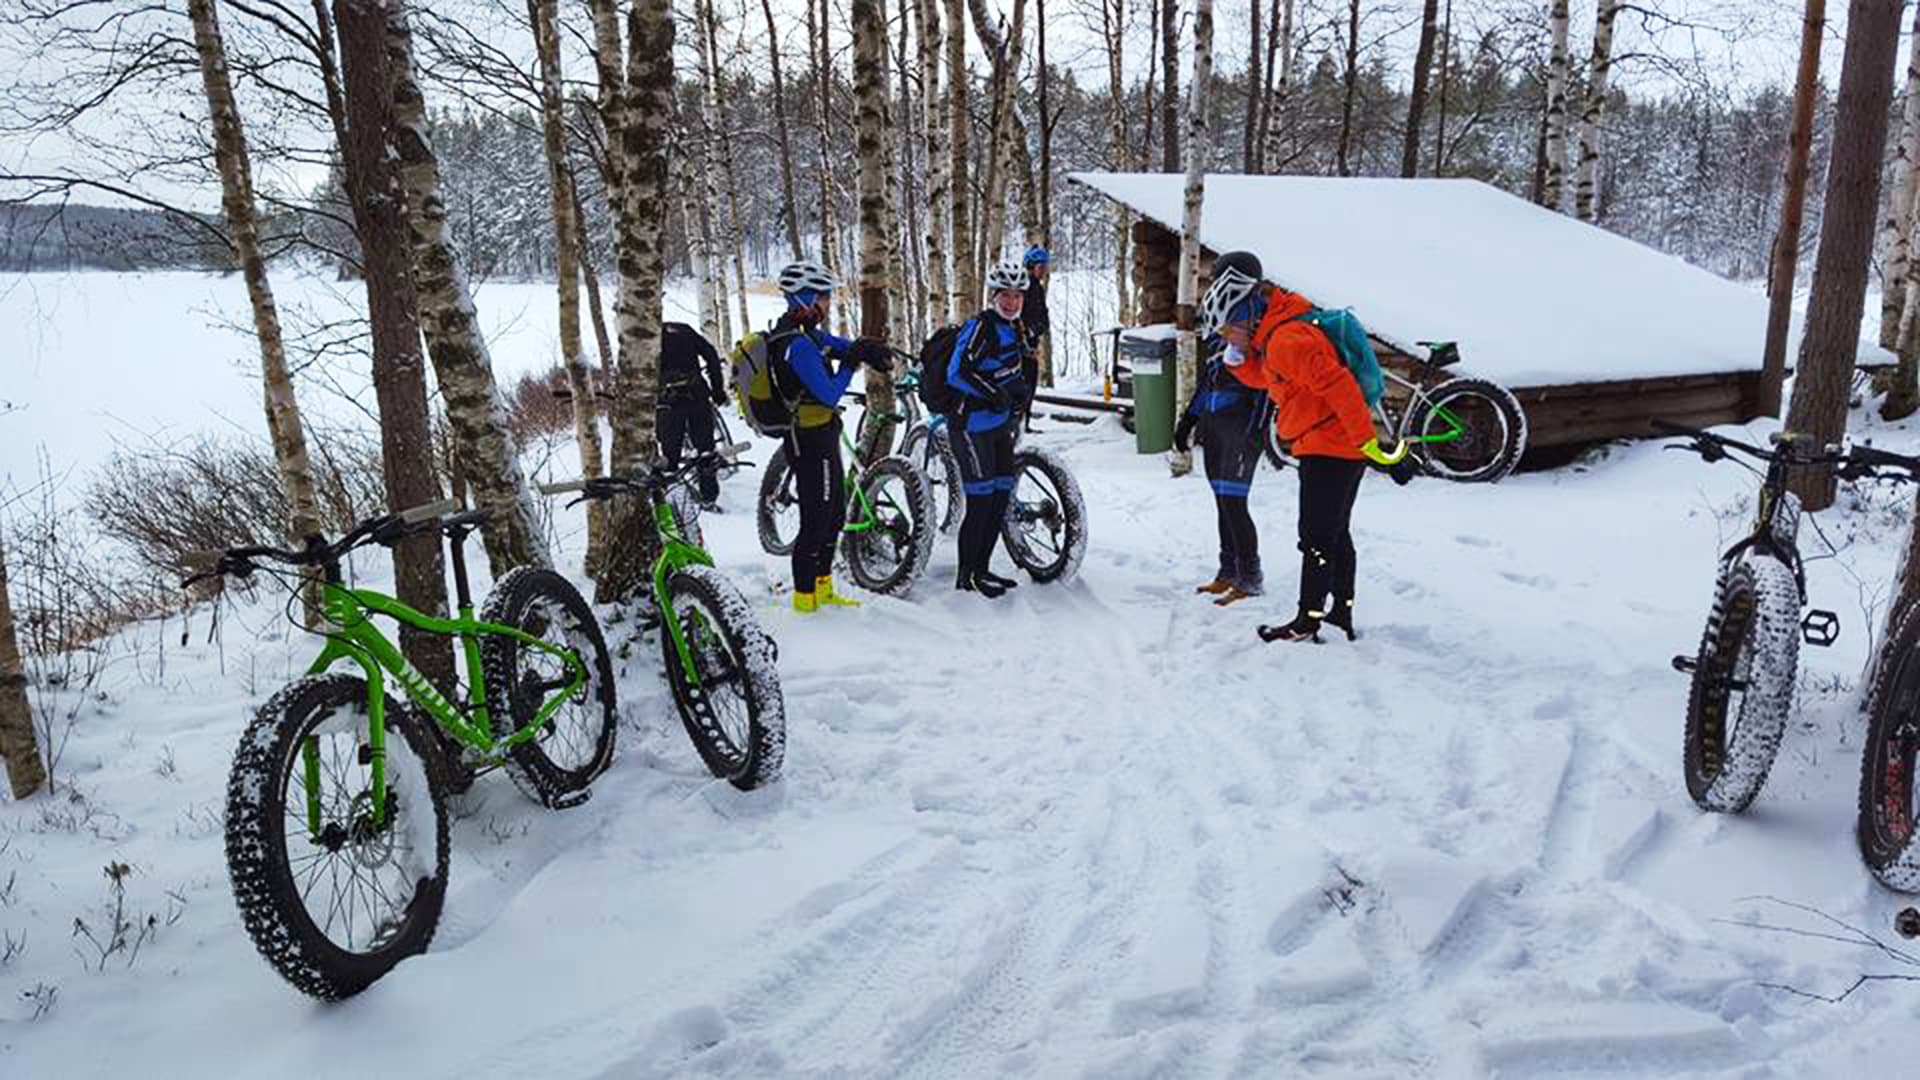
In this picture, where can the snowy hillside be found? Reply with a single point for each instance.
(1092, 830)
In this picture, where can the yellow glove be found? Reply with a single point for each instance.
(1381, 457)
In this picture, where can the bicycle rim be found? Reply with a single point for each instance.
(1464, 433)
(721, 703)
(571, 738)
(355, 877)
(1037, 526)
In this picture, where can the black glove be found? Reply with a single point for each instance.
(1403, 471)
(1003, 399)
(871, 352)
(1183, 433)
(719, 395)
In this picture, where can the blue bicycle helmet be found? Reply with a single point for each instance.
(1036, 256)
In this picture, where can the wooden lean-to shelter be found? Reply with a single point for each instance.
(1595, 334)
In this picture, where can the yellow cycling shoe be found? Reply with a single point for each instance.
(826, 597)
(806, 603)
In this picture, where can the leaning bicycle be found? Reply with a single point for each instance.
(1471, 431)
(337, 818)
(1886, 826)
(927, 444)
(1744, 669)
(718, 661)
(890, 517)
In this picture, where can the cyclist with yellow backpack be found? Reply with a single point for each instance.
(798, 352)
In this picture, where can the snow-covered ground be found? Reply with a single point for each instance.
(1091, 830)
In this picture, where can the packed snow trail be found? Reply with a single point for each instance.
(1085, 830)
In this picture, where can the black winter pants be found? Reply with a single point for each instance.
(986, 475)
(1230, 444)
(820, 485)
(685, 418)
(1328, 487)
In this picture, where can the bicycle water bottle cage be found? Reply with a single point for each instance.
(1820, 628)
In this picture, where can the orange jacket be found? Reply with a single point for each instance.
(1319, 409)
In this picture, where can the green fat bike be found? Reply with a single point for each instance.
(337, 818)
(890, 517)
(719, 663)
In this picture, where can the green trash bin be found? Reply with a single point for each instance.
(1150, 352)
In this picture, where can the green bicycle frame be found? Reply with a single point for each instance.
(676, 554)
(353, 636)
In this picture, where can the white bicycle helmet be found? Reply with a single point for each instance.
(1005, 276)
(1227, 293)
(806, 276)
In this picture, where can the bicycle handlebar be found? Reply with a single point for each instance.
(1854, 462)
(384, 529)
(660, 477)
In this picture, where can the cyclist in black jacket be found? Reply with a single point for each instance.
(1033, 316)
(683, 412)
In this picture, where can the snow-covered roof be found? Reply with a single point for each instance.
(1534, 298)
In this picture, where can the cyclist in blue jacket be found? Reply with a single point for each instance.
(985, 370)
(813, 442)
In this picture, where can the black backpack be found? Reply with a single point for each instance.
(935, 393)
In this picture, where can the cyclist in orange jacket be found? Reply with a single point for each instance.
(1321, 416)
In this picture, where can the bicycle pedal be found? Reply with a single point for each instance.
(1820, 628)
(1686, 665)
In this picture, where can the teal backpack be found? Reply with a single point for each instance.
(1350, 340)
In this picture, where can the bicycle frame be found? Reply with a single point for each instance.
(676, 554)
(1416, 394)
(355, 637)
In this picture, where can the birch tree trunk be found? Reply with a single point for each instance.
(934, 108)
(570, 245)
(583, 250)
(1558, 65)
(1586, 190)
(1786, 243)
(1198, 143)
(788, 204)
(19, 746)
(910, 316)
(699, 248)
(284, 424)
(399, 371)
(1250, 121)
(1046, 138)
(870, 98)
(1170, 85)
(1417, 97)
(1824, 375)
(1896, 231)
(455, 345)
(1342, 163)
(1005, 52)
(1113, 17)
(966, 270)
(732, 236)
(1282, 99)
(823, 79)
(638, 137)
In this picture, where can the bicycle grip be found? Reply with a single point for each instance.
(429, 511)
(563, 487)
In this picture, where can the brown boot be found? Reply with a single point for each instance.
(1214, 587)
